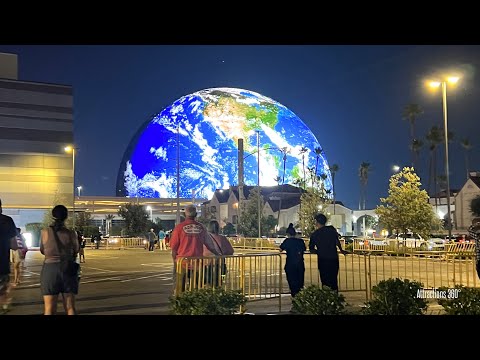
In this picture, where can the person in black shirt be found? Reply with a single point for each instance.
(324, 242)
(294, 266)
(8, 232)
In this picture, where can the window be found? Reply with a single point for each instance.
(213, 209)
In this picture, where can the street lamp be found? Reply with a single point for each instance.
(79, 188)
(436, 84)
(149, 208)
(258, 185)
(70, 149)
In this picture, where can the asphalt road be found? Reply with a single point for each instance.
(132, 281)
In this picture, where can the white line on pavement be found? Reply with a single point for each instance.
(143, 277)
(105, 270)
(92, 281)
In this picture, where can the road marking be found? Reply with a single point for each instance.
(143, 277)
(104, 270)
(92, 281)
(157, 265)
(31, 272)
(103, 256)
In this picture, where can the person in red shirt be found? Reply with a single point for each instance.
(188, 239)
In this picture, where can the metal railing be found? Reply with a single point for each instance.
(257, 276)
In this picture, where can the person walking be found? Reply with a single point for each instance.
(8, 232)
(187, 240)
(18, 257)
(324, 242)
(82, 243)
(60, 271)
(294, 265)
(216, 269)
(161, 240)
(151, 237)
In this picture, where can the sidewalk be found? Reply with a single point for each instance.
(355, 301)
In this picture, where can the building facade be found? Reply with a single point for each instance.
(463, 200)
(36, 123)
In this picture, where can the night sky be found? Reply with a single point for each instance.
(351, 97)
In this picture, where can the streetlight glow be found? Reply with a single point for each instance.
(79, 188)
(149, 208)
(434, 84)
(453, 79)
(68, 149)
(396, 168)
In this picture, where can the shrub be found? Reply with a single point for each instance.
(396, 297)
(207, 302)
(314, 300)
(349, 248)
(461, 300)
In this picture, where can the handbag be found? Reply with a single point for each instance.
(68, 265)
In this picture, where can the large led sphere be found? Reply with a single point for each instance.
(205, 126)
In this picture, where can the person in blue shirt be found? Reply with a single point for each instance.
(294, 266)
(161, 240)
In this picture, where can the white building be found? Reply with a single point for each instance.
(470, 190)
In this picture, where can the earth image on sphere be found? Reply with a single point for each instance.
(208, 124)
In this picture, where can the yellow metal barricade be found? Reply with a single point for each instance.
(258, 276)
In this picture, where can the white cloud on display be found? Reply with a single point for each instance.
(159, 153)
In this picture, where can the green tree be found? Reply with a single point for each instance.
(312, 203)
(108, 223)
(82, 219)
(284, 151)
(467, 146)
(248, 222)
(434, 138)
(406, 208)
(57, 200)
(318, 153)
(363, 175)
(410, 113)
(136, 219)
(416, 146)
(228, 229)
(333, 170)
(475, 206)
(303, 150)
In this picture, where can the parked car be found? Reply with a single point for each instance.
(415, 241)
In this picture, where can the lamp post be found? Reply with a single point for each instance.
(258, 185)
(149, 208)
(79, 188)
(435, 84)
(71, 149)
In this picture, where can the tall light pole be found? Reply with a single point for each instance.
(79, 188)
(71, 149)
(435, 84)
(149, 208)
(178, 175)
(258, 186)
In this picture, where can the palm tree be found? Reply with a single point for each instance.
(303, 150)
(333, 170)
(318, 153)
(284, 151)
(363, 174)
(410, 113)
(467, 145)
(416, 146)
(108, 221)
(434, 137)
(277, 179)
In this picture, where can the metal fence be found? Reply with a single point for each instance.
(257, 276)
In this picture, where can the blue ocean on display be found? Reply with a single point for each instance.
(208, 124)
